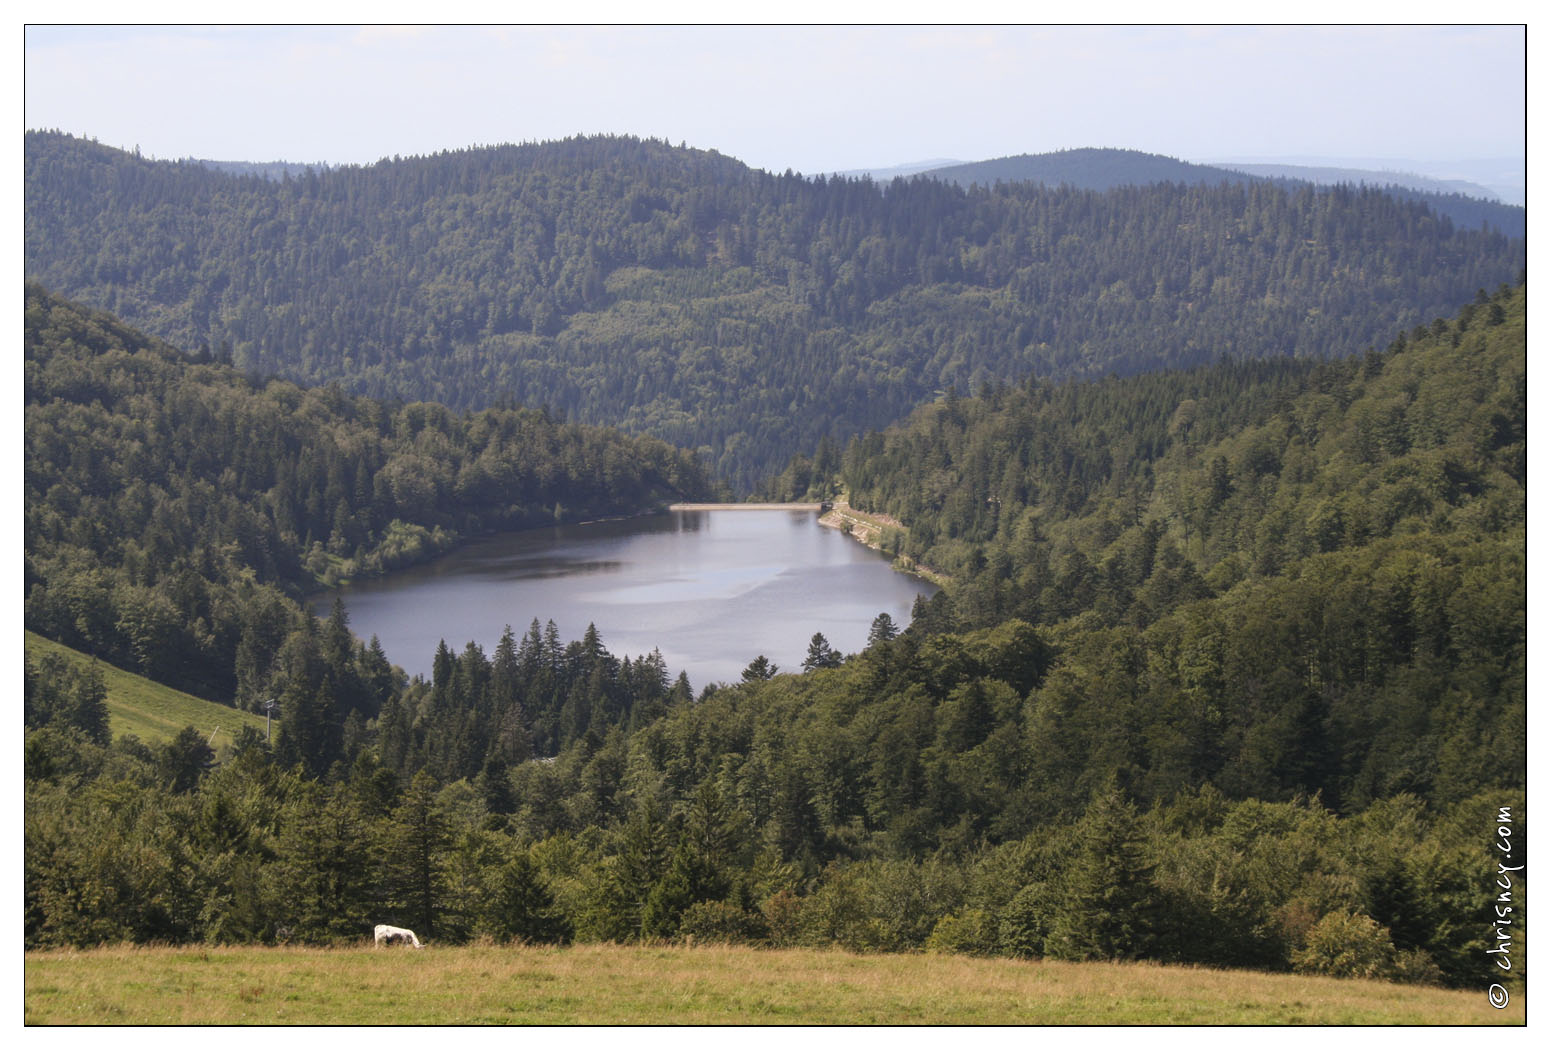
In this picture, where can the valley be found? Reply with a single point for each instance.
(501, 477)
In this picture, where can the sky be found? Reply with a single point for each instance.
(813, 99)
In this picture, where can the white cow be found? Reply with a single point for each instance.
(396, 936)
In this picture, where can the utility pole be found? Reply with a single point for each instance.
(269, 709)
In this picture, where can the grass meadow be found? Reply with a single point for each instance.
(152, 712)
(702, 985)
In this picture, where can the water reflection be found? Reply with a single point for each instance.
(541, 569)
(711, 589)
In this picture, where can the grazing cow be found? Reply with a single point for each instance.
(396, 936)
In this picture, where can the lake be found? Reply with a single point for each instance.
(711, 590)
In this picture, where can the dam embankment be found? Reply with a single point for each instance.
(745, 507)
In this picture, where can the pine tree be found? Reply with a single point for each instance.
(416, 843)
(1109, 905)
(641, 862)
(311, 732)
(759, 670)
(670, 895)
(324, 867)
(184, 759)
(882, 630)
(820, 654)
(519, 905)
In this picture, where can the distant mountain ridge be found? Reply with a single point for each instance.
(1097, 169)
(1087, 168)
(1503, 176)
(897, 171)
(1362, 176)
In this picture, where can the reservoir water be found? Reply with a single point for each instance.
(711, 590)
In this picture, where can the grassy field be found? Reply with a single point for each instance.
(152, 712)
(605, 984)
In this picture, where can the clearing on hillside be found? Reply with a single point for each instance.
(153, 712)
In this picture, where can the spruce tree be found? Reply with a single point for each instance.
(519, 905)
(1108, 903)
(820, 654)
(416, 843)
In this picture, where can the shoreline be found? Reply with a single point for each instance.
(867, 529)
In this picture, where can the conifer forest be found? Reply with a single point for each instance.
(1224, 483)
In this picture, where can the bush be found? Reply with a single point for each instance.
(1415, 967)
(968, 932)
(1347, 945)
(720, 922)
(783, 917)
(836, 915)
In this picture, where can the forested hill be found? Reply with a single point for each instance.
(1096, 169)
(174, 510)
(1086, 169)
(1044, 501)
(679, 293)
(1311, 572)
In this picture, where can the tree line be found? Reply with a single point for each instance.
(876, 806)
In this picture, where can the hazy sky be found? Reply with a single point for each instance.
(811, 99)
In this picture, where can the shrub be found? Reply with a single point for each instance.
(1415, 967)
(968, 932)
(720, 922)
(836, 914)
(1347, 945)
(783, 917)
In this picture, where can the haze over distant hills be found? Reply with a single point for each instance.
(898, 171)
(1467, 204)
(1087, 168)
(268, 169)
(1504, 177)
(1493, 179)
(1360, 176)
(1498, 179)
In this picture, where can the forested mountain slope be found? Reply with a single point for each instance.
(173, 508)
(679, 293)
(1270, 577)
(1045, 500)
(1269, 697)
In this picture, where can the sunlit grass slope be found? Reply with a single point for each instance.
(606, 984)
(152, 712)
